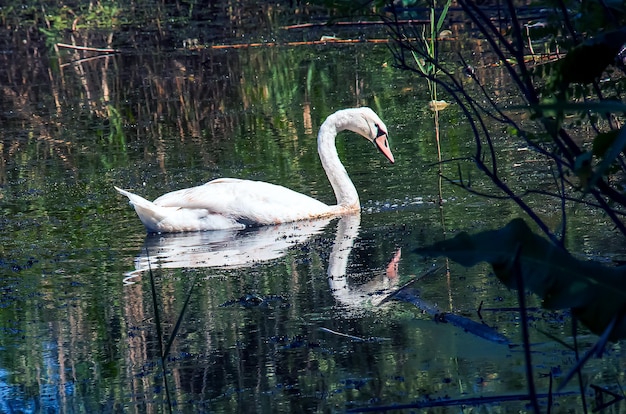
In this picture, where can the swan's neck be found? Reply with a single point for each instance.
(345, 192)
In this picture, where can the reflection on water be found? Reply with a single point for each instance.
(357, 297)
(236, 249)
(230, 249)
(11, 399)
(74, 338)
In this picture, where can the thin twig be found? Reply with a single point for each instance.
(157, 321)
(87, 48)
(467, 187)
(581, 384)
(429, 272)
(180, 318)
(300, 43)
(359, 23)
(79, 61)
(354, 338)
(598, 348)
(521, 295)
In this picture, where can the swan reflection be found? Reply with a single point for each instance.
(376, 289)
(234, 249)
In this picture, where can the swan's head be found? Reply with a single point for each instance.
(365, 122)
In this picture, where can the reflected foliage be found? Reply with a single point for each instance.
(159, 116)
(72, 335)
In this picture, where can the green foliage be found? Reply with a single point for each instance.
(609, 157)
(59, 19)
(604, 141)
(603, 161)
(595, 293)
(580, 94)
(426, 55)
(607, 146)
(103, 15)
(53, 20)
(52, 36)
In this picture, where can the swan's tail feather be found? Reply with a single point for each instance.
(134, 198)
(149, 213)
(158, 219)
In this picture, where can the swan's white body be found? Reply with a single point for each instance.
(229, 203)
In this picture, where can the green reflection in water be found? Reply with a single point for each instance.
(74, 336)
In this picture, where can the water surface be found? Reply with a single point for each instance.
(268, 330)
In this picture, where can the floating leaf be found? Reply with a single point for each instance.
(445, 34)
(595, 293)
(438, 105)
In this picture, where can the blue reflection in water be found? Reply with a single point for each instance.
(14, 399)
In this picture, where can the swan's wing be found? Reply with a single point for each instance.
(249, 202)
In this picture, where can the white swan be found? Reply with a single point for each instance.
(229, 203)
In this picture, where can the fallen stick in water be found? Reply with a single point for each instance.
(90, 49)
(407, 293)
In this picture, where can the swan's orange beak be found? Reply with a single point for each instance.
(383, 146)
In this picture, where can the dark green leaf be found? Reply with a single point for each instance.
(603, 141)
(594, 292)
(609, 155)
(586, 62)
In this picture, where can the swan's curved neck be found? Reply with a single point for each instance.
(345, 192)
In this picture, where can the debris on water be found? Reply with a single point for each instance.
(296, 341)
(251, 300)
(394, 205)
(353, 337)
(438, 105)
(408, 293)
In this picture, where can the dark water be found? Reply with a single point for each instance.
(267, 330)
